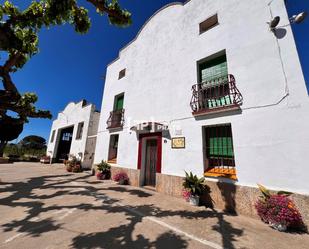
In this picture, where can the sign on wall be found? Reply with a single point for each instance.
(178, 143)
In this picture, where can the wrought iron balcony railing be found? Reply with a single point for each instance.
(116, 119)
(217, 95)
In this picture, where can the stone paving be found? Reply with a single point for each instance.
(43, 206)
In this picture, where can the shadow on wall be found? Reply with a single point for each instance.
(280, 33)
(228, 192)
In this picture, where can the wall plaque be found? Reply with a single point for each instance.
(178, 143)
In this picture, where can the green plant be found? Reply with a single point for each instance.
(19, 42)
(104, 167)
(73, 164)
(194, 184)
(267, 194)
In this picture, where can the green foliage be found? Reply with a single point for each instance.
(104, 167)
(10, 128)
(194, 184)
(33, 142)
(19, 40)
(23, 153)
(267, 194)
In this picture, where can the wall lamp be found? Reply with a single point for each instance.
(296, 19)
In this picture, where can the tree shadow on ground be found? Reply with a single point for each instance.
(136, 192)
(23, 194)
(122, 238)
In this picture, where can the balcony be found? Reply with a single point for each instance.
(217, 95)
(116, 119)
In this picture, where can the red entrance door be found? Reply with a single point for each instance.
(151, 162)
(149, 156)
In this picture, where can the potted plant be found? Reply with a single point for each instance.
(195, 186)
(186, 193)
(73, 165)
(104, 171)
(45, 159)
(122, 178)
(278, 210)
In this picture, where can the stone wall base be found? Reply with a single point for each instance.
(4, 160)
(225, 196)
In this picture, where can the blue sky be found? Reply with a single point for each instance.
(70, 66)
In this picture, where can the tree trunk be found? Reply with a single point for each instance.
(2, 146)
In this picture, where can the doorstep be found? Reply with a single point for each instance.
(151, 188)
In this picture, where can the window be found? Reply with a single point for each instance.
(118, 103)
(219, 151)
(67, 136)
(209, 23)
(113, 148)
(80, 129)
(122, 73)
(53, 136)
(213, 68)
(213, 76)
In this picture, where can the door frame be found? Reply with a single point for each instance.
(142, 153)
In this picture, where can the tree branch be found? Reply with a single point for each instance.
(12, 61)
(103, 8)
(8, 84)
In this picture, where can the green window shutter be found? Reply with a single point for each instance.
(221, 146)
(119, 103)
(230, 147)
(216, 68)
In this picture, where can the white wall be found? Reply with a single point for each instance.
(72, 115)
(270, 138)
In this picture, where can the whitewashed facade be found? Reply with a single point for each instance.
(270, 129)
(77, 126)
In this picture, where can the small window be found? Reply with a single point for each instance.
(113, 148)
(209, 23)
(122, 73)
(219, 152)
(80, 129)
(53, 136)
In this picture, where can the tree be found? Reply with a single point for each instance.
(10, 128)
(19, 41)
(33, 142)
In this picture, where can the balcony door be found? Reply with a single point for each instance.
(213, 76)
(116, 118)
(119, 102)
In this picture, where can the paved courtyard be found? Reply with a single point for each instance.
(43, 206)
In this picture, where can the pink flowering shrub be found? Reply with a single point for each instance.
(186, 194)
(279, 209)
(99, 176)
(121, 177)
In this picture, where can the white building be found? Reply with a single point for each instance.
(218, 94)
(74, 133)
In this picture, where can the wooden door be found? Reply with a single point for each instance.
(151, 162)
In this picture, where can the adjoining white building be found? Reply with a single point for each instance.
(207, 87)
(74, 133)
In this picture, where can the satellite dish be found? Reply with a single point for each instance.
(300, 17)
(274, 23)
